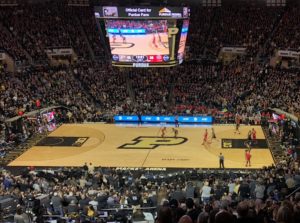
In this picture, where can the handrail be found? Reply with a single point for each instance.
(129, 208)
(294, 191)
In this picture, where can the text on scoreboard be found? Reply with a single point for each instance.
(141, 12)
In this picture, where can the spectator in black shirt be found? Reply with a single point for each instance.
(244, 190)
(191, 210)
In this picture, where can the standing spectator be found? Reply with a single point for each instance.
(244, 190)
(260, 190)
(205, 193)
(190, 190)
(178, 194)
(56, 202)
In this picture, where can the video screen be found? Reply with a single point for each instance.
(182, 42)
(49, 116)
(138, 40)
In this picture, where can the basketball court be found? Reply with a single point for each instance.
(109, 145)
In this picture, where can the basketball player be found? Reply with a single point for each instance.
(221, 161)
(213, 134)
(139, 120)
(175, 131)
(165, 28)
(205, 137)
(248, 145)
(253, 135)
(159, 38)
(163, 132)
(176, 122)
(237, 124)
(114, 38)
(249, 137)
(124, 39)
(248, 158)
(154, 41)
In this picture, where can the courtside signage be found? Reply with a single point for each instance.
(166, 119)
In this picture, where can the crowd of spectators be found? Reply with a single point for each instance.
(276, 89)
(83, 192)
(289, 23)
(199, 28)
(44, 25)
(91, 29)
(213, 28)
(9, 45)
(152, 89)
(242, 26)
(243, 87)
(92, 90)
(107, 85)
(34, 88)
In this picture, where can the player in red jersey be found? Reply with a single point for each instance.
(154, 41)
(205, 137)
(159, 38)
(114, 38)
(248, 158)
(165, 28)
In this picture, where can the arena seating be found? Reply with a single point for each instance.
(242, 87)
(94, 91)
(242, 26)
(90, 29)
(34, 34)
(9, 45)
(20, 91)
(82, 193)
(212, 28)
(282, 38)
(106, 85)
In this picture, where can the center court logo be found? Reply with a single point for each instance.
(165, 12)
(152, 142)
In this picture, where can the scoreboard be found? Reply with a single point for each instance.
(144, 36)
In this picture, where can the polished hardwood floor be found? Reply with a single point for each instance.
(111, 145)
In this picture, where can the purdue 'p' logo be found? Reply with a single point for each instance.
(172, 31)
(148, 142)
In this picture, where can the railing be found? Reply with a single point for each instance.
(104, 214)
(294, 191)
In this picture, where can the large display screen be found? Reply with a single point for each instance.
(138, 41)
(182, 42)
(144, 36)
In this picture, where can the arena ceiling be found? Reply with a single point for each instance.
(147, 2)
